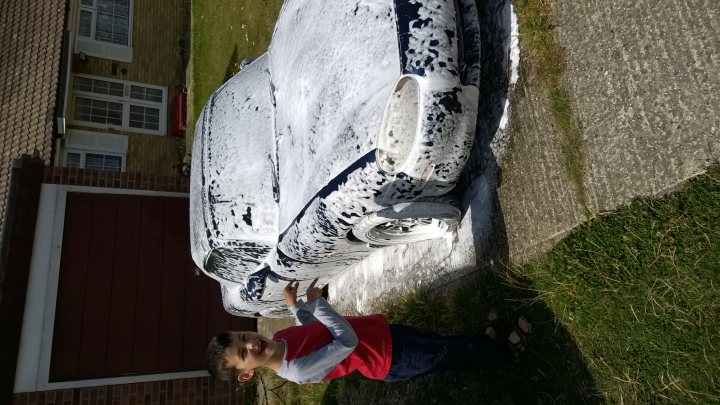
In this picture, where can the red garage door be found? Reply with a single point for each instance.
(129, 298)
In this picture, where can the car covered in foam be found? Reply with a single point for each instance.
(345, 136)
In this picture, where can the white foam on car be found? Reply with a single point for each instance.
(327, 116)
(401, 269)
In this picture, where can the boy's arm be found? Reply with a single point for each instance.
(303, 312)
(320, 310)
(314, 366)
(338, 326)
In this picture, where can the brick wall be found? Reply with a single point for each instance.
(160, 41)
(97, 178)
(161, 155)
(159, 30)
(192, 391)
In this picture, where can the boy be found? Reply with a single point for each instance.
(326, 345)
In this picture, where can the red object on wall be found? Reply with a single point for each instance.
(178, 114)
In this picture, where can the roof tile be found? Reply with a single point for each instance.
(30, 37)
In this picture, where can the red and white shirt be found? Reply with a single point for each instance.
(326, 345)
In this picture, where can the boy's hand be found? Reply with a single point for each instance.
(313, 292)
(290, 293)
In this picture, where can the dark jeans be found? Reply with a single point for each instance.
(416, 353)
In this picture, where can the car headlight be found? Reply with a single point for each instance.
(399, 126)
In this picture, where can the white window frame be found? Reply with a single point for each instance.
(101, 49)
(33, 366)
(126, 101)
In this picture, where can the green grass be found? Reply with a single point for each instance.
(223, 34)
(640, 292)
(625, 310)
(273, 390)
(545, 59)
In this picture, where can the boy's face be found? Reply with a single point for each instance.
(248, 351)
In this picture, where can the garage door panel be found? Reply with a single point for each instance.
(129, 299)
(73, 268)
(96, 311)
(124, 286)
(173, 286)
(147, 312)
(195, 314)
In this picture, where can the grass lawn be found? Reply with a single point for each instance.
(223, 34)
(625, 310)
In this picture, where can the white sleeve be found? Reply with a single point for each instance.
(316, 365)
(303, 312)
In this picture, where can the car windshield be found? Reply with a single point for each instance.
(238, 168)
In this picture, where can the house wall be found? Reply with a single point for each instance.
(161, 155)
(160, 41)
(159, 29)
(187, 391)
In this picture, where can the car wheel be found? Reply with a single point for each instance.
(407, 223)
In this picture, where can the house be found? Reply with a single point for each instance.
(100, 301)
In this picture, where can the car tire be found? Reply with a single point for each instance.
(408, 222)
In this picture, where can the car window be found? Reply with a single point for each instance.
(238, 168)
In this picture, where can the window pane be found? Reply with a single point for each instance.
(98, 86)
(86, 2)
(119, 38)
(72, 159)
(103, 162)
(82, 109)
(137, 92)
(113, 21)
(144, 117)
(104, 36)
(117, 89)
(146, 93)
(154, 95)
(85, 25)
(101, 112)
(93, 161)
(82, 84)
(113, 163)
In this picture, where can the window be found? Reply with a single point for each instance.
(91, 150)
(101, 112)
(97, 161)
(119, 104)
(104, 28)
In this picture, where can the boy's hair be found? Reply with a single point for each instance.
(215, 358)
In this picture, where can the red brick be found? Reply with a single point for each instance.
(20, 399)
